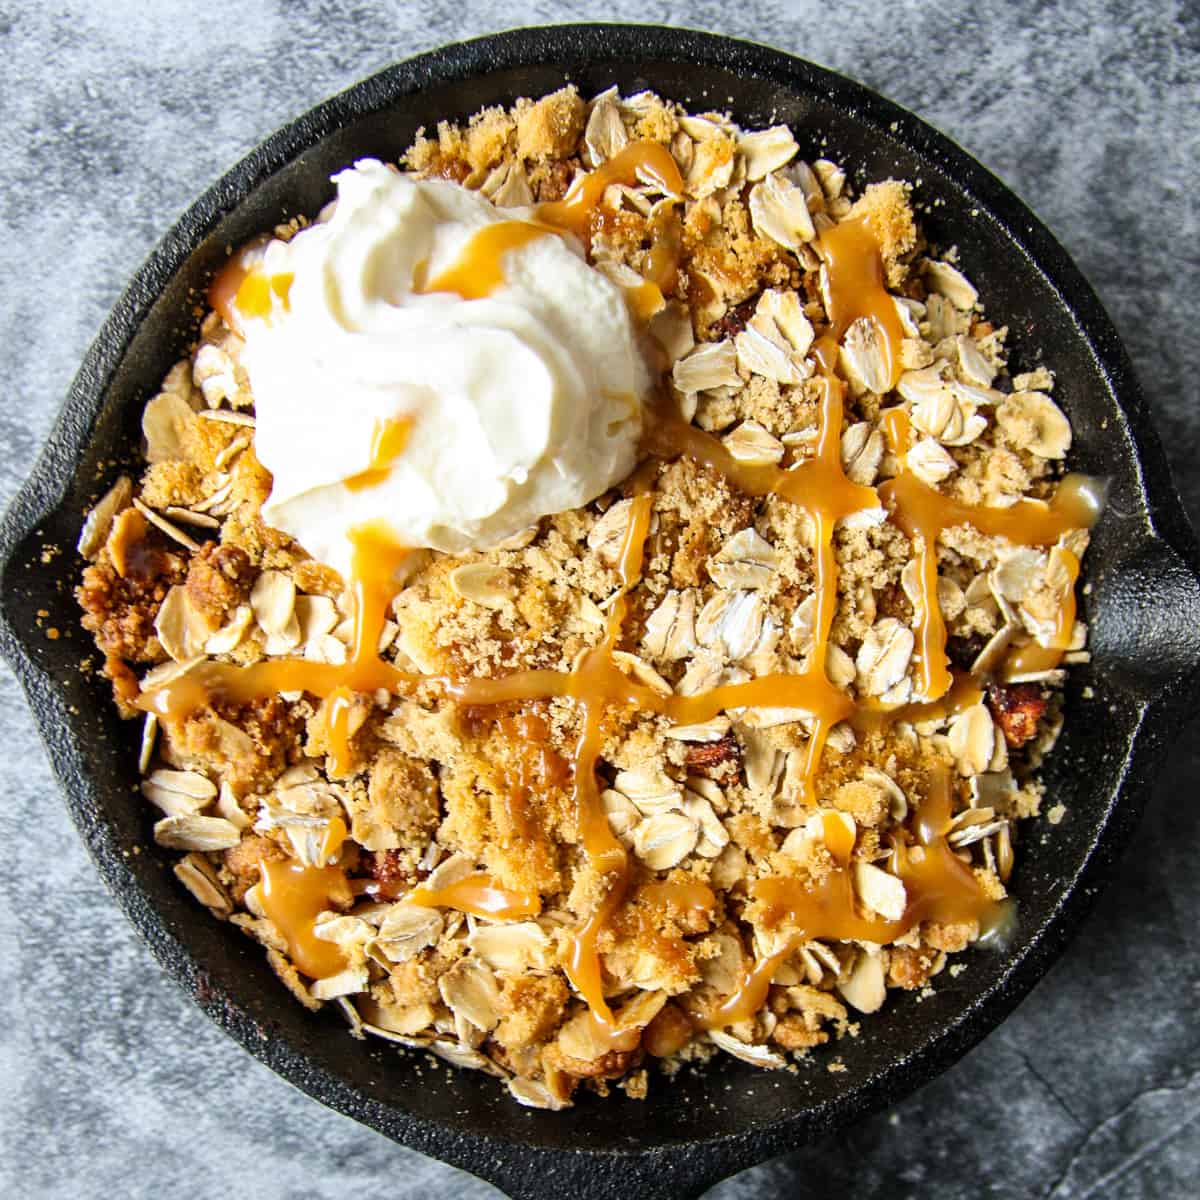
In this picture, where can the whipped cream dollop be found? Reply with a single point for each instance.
(458, 417)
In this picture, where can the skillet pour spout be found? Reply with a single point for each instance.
(1143, 609)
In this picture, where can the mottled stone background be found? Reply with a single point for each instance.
(114, 115)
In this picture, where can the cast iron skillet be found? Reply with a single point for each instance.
(1143, 606)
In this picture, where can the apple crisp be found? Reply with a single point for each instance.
(708, 765)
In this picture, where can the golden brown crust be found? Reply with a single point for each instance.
(120, 611)
(248, 745)
(532, 1007)
(218, 580)
(887, 209)
(243, 863)
(401, 806)
(550, 127)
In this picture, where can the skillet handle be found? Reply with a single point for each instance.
(683, 1173)
(1146, 629)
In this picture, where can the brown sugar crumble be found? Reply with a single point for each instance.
(706, 766)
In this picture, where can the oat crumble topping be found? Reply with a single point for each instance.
(706, 766)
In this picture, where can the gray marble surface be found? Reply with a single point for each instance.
(115, 114)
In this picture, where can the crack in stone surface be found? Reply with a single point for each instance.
(1050, 1088)
(1148, 1108)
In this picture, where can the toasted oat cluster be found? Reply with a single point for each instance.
(767, 873)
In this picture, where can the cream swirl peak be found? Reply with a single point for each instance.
(423, 358)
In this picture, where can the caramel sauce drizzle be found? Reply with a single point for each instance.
(821, 489)
(336, 834)
(604, 852)
(239, 292)
(964, 693)
(687, 895)
(921, 511)
(479, 269)
(293, 896)
(639, 161)
(127, 543)
(855, 286)
(480, 895)
(538, 769)
(388, 442)
(940, 886)
(1033, 657)
(666, 247)
(223, 290)
(644, 300)
(1066, 614)
(376, 558)
(750, 994)
(593, 685)
(838, 836)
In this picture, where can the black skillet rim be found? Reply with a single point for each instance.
(681, 1167)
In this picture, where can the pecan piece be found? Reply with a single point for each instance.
(710, 755)
(391, 878)
(735, 320)
(1017, 708)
